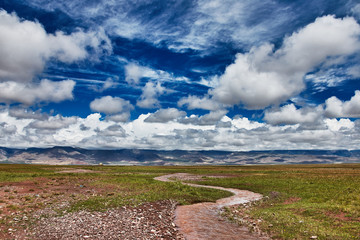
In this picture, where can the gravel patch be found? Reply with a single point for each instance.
(147, 221)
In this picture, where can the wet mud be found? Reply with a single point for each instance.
(203, 221)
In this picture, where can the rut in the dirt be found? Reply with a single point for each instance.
(202, 221)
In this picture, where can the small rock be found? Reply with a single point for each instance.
(313, 237)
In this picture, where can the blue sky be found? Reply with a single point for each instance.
(200, 75)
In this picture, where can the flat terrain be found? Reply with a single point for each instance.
(300, 201)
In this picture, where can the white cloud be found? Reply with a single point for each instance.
(110, 105)
(133, 73)
(165, 115)
(25, 47)
(121, 117)
(354, 71)
(53, 123)
(337, 108)
(244, 123)
(112, 131)
(264, 77)
(150, 94)
(45, 91)
(240, 134)
(288, 114)
(211, 119)
(22, 113)
(181, 25)
(322, 80)
(6, 129)
(336, 125)
(194, 102)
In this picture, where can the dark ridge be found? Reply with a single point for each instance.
(74, 155)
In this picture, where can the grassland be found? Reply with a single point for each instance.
(301, 200)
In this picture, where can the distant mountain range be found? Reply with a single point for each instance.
(72, 156)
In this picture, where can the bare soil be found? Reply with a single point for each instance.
(36, 209)
(21, 202)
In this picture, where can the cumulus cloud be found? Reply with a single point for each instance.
(120, 117)
(211, 118)
(110, 105)
(112, 131)
(240, 133)
(165, 115)
(23, 113)
(7, 129)
(263, 77)
(289, 114)
(244, 123)
(150, 94)
(53, 123)
(194, 102)
(84, 128)
(336, 125)
(25, 47)
(336, 108)
(29, 93)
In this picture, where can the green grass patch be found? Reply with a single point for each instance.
(134, 189)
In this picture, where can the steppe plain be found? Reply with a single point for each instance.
(126, 202)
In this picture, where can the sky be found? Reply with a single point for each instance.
(192, 75)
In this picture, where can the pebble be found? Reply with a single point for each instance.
(141, 222)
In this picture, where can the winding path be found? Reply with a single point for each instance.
(201, 221)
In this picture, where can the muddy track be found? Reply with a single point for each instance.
(202, 220)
